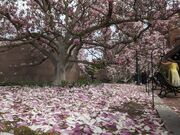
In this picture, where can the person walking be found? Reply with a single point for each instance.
(173, 75)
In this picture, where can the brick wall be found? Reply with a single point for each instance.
(16, 65)
(174, 36)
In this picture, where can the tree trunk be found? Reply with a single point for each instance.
(65, 72)
(59, 73)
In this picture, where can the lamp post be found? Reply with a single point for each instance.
(137, 69)
(152, 89)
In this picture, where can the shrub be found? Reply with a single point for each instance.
(82, 82)
(26, 83)
(64, 83)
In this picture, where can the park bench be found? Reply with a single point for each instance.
(165, 86)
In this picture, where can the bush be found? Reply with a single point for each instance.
(97, 82)
(82, 82)
(64, 83)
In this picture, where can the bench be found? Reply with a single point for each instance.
(165, 86)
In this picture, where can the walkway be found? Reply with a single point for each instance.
(170, 116)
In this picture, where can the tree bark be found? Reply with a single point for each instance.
(65, 72)
(59, 73)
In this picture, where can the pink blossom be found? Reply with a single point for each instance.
(76, 41)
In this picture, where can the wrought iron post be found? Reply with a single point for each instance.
(152, 71)
(149, 75)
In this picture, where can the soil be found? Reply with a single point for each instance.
(132, 108)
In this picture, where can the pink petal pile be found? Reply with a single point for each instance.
(85, 110)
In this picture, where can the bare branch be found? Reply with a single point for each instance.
(103, 25)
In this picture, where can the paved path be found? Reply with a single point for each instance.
(170, 118)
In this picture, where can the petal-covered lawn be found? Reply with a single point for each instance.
(106, 109)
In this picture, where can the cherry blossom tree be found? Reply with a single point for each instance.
(155, 41)
(59, 29)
